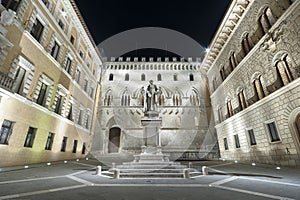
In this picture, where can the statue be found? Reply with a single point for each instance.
(151, 99)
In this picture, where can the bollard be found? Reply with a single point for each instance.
(186, 173)
(113, 165)
(204, 171)
(98, 170)
(117, 174)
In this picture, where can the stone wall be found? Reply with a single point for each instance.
(281, 42)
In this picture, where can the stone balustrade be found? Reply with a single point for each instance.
(6, 82)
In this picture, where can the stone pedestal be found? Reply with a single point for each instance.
(151, 127)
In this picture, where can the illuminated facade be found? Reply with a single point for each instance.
(253, 70)
(49, 76)
(182, 105)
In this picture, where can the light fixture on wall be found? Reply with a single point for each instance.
(63, 12)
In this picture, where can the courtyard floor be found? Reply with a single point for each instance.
(78, 180)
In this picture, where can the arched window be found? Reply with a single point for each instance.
(220, 115)
(143, 77)
(161, 97)
(229, 109)
(246, 44)
(111, 77)
(222, 73)
(191, 77)
(175, 77)
(126, 77)
(125, 99)
(266, 20)
(159, 77)
(214, 83)
(232, 62)
(284, 71)
(176, 99)
(108, 98)
(258, 88)
(194, 99)
(242, 100)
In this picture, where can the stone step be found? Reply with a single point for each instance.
(151, 175)
(150, 167)
(149, 170)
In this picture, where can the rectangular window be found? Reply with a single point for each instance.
(75, 146)
(87, 124)
(72, 39)
(59, 104)
(49, 141)
(77, 76)
(92, 92)
(70, 115)
(81, 54)
(80, 117)
(19, 80)
(37, 30)
(11, 4)
(61, 24)
(83, 148)
(274, 136)
(46, 2)
(55, 50)
(6, 131)
(64, 144)
(85, 86)
(252, 137)
(30, 137)
(42, 95)
(237, 141)
(225, 144)
(68, 65)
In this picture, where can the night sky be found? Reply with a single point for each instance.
(198, 19)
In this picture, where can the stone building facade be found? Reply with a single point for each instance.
(182, 104)
(253, 69)
(49, 72)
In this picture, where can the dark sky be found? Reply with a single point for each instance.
(198, 19)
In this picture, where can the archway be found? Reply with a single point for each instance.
(114, 140)
(297, 123)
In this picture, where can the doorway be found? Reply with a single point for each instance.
(114, 140)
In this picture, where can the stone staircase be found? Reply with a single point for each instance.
(151, 164)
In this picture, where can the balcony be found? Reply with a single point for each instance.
(6, 82)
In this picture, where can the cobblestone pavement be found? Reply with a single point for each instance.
(78, 180)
